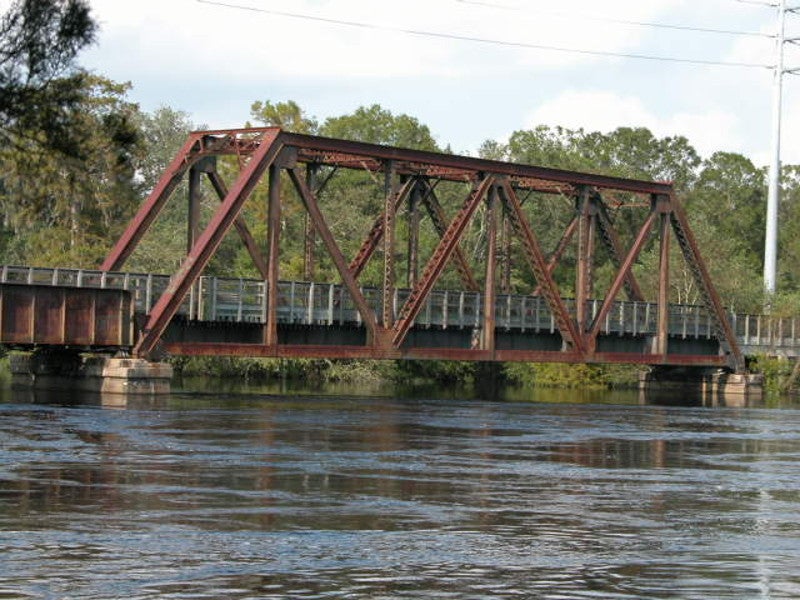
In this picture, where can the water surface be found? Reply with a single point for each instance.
(242, 496)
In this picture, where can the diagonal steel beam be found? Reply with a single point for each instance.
(208, 242)
(376, 232)
(151, 208)
(348, 278)
(438, 260)
(566, 238)
(614, 247)
(691, 253)
(439, 220)
(621, 276)
(241, 227)
(533, 252)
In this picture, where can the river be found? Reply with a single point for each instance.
(223, 495)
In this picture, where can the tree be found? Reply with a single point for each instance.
(40, 84)
(62, 208)
(286, 115)
(376, 125)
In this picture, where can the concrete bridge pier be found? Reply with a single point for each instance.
(70, 371)
(712, 387)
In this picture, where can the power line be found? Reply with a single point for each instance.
(495, 5)
(480, 40)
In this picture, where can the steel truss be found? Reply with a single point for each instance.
(410, 179)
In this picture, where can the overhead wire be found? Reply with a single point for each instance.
(481, 40)
(713, 30)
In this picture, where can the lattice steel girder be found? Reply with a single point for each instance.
(438, 260)
(257, 150)
(346, 273)
(208, 242)
(691, 253)
(533, 252)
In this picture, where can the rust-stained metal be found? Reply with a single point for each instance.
(390, 190)
(410, 177)
(439, 221)
(622, 274)
(489, 290)
(345, 272)
(241, 227)
(375, 234)
(662, 335)
(208, 242)
(83, 318)
(273, 258)
(614, 247)
(533, 252)
(439, 258)
(691, 253)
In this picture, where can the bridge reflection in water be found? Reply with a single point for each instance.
(230, 311)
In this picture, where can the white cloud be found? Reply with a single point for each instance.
(707, 131)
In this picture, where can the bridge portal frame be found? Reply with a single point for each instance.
(410, 177)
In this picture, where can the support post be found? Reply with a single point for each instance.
(309, 233)
(413, 236)
(584, 275)
(489, 295)
(389, 212)
(193, 209)
(273, 259)
(662, 335)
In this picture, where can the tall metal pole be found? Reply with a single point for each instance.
(773, 195)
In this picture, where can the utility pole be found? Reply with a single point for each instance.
(773, 194)
(774, 190)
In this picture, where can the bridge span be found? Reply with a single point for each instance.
(527, 241)
(95, 310)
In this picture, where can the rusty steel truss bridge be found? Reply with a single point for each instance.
(415, 316)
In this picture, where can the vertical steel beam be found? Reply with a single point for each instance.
(505, 265)
(662, 335)
(273, 255)
(376, 233)
(348, 277)
(309, 233)
(489, 294)
(241, 227)
(584, 275)
(438, 260)
(413, 235)
(268, 148)
(535, 256)
(193, 209)
(389, 213)
(151, 208)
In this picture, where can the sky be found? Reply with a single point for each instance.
(213, 60)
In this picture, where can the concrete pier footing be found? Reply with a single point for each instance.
(712, 387)
(69, 371)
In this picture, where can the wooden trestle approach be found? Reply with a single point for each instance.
(504, 197)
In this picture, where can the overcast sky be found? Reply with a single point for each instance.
(213, 61)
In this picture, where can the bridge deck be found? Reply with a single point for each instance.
(243, 302)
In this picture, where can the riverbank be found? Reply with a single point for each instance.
(387, 376)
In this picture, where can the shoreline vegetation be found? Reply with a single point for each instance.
(779, 374)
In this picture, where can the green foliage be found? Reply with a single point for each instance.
(286, 115)
(563, 375)
(776, 371)
(41, 88)
(5, 371)
(64, 208)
